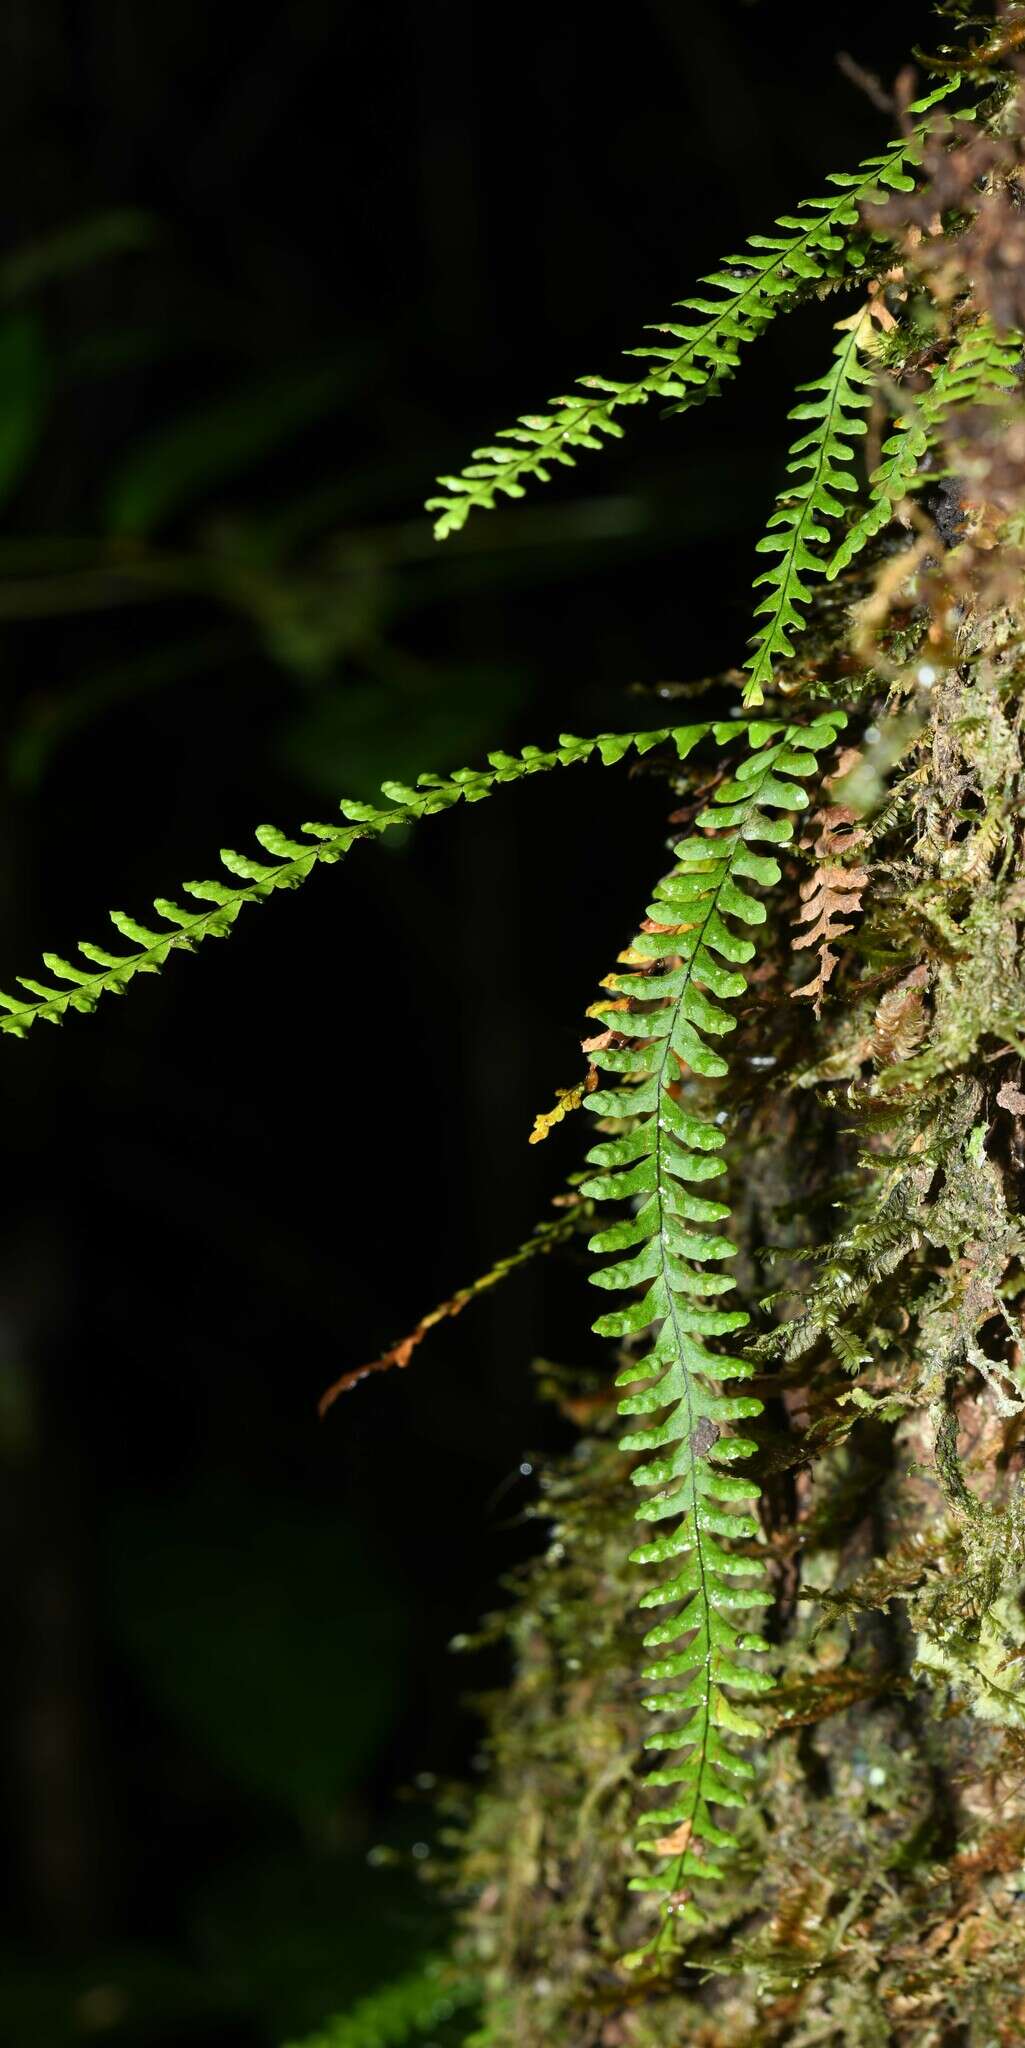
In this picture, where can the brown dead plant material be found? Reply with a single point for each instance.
(899, 1022)
(541, 1241)
(675, 1843)
(830, 896)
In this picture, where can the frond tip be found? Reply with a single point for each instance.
(687, 954)
(545, 1237)
(822, 460)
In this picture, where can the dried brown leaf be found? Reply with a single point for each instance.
(675, 1843)
(899, 1021)
(829, 897)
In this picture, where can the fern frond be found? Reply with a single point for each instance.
(823, 459)
(104, 973)
(768, 274)
(688, 952)
(412, 2006)
(980, 370)
(545, 1237)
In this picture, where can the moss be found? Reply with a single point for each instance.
(984, 1665)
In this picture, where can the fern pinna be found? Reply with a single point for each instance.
(661, 1019)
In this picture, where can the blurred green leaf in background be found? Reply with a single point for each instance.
(24, 388)
(278, 1641)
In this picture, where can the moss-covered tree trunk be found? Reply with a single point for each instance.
(879, 1891)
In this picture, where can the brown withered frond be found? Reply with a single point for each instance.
(899, 1022)
(831, 896)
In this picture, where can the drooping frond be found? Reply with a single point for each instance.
(291, 862)
(980, 370)
(414, 2005)
(823, 460)
(544, 1238)
(808, 246)
(661, 1018)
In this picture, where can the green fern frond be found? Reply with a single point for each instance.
(688, 954)
(980, 370)
(414, 2005)
(291, 862)
(823, 458)
(767, 275)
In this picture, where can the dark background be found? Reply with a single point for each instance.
(261, 278)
